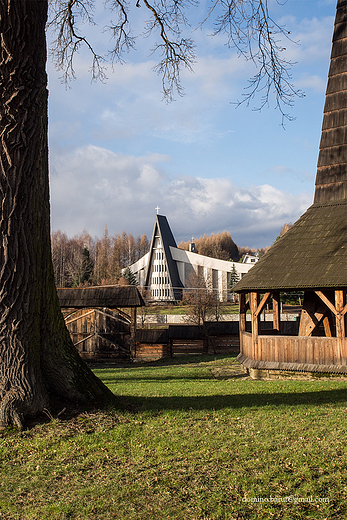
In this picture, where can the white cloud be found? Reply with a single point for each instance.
(92, 186)
(314, 82)
(311, 39)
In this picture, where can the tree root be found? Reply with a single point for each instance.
(9, 415)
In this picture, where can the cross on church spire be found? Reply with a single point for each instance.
(157, 209)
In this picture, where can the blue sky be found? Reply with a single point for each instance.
(117, 150)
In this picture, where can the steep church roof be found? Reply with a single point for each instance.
(313, 253)
(163, 231)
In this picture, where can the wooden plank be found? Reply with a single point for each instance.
(340, 322)
(78, 317)
(304, 351)
(327, 326)
(344, 352)
(311, 316)
(262, 303)
(253, 299)
(84, 339)
(242, 312)
(276, 311)
(327, 302)
(311, 351)
(246, 344)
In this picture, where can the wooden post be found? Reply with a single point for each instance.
(133, 331)
(276, 311)
(253, 299)
(242, 312)
(328, 326)
(340, 323)
(170, 349)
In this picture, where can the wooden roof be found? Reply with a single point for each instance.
(111, 296)
(312, 254)
(331, 179)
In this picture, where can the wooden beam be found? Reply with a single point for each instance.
(340, 319)
(242, 312)
(85, 339)
(79, 317)
(327, 302)
(253, 300)
(328, 326)
(276, 311)
(311, 314)
(262, 303)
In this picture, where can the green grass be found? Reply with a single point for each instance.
(226, 308)
(195, 441)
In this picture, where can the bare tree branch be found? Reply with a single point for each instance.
(247, 25)
(257, 37)
(175, 51)
(121, 31)
(69, 41)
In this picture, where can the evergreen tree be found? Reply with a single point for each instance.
(234, 278)
(87, 266)
(130, 277)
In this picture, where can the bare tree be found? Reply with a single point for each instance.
(199, 299)
(37, 357)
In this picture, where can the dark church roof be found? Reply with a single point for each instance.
(163, 230)
(313, 253)
(114, 296)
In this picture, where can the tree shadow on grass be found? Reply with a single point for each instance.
(237, 401)
(112, 380)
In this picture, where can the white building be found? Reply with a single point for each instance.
(250, 259)
(166, 271)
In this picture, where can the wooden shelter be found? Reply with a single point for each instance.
(311, 257)
(96, 319)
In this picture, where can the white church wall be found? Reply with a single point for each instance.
(216, 272)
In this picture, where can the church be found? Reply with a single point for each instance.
(166, 271)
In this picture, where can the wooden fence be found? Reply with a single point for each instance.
(295, 352)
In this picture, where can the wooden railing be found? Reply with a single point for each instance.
(295, 349)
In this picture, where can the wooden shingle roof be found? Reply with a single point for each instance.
(112, 296)
(312, 254)
(331, 179)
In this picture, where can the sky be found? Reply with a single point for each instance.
(117, 150)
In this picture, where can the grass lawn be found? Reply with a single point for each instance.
(226, 308)
(195, 441)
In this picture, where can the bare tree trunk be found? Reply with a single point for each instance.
(37, 357)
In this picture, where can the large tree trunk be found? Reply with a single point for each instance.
(37, 357)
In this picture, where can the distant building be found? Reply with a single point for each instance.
(250, 259)
(165, 271)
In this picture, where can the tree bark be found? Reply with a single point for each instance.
(37, 357)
